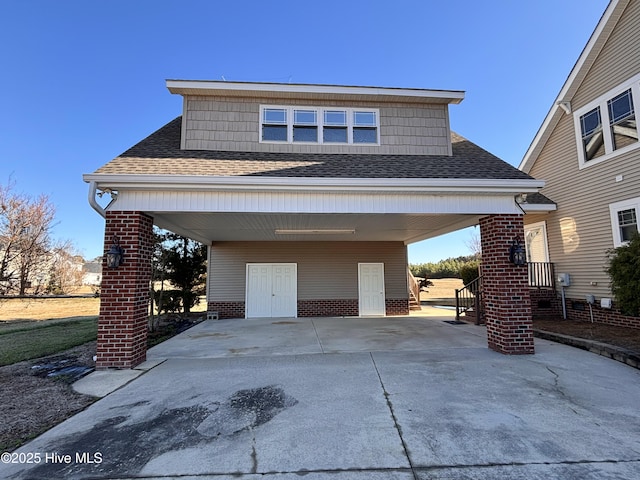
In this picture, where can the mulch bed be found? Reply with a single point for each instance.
(624, 337)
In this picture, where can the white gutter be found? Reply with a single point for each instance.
(243, 183)
(93, 188)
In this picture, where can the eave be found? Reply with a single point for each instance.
(382, 185)
(313, 91)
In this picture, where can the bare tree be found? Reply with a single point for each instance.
(474, 244)
(65, 269)
(25, 241)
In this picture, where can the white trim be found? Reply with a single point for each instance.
(614, 208)
(211, 87)
(538, 207)
(632, 84)
(208, 182)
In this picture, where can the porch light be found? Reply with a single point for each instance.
(115, 254)
(517, 254)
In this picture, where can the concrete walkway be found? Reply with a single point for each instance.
(352, 398)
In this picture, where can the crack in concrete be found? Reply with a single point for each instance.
(317, 336)
(393, 416)
(558, 388)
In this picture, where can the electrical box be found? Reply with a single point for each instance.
(564, 279)
(591, 299)
(605, 302)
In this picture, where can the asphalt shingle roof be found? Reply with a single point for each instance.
(160, 153)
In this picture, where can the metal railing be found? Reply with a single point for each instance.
(469, 297)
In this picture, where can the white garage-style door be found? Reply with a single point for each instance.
(371, 289)
(272, 290)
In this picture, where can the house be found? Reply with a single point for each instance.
(588, 153)
(307, 196)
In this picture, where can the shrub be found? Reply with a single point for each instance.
(624, 270)
(469, 272)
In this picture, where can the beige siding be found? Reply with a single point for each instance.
(326, 270)
(579, 232)
(618, 61)
(232, 124)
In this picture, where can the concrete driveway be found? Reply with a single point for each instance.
(351, 398)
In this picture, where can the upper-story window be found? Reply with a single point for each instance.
(624, 220)
(607, 126)
(319, 125)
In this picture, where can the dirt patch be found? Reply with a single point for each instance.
(441, 288)
(32, 403)
(624, 337)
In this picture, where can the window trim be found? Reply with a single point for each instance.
(632, 84)
(320, 124)
(616, 207)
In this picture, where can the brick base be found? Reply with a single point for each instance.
(315, 308)
(548, 303)
(328, 308)
(227, 309)
(579, 310)
(545, 303)
(397, 306)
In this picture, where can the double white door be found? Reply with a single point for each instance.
(272, 290)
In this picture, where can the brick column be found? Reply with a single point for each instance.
(506, 287)
(124, 294)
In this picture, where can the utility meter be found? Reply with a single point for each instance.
(564, 279)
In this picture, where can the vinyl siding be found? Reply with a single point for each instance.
(232, 124)
(326, 270)
(580, 232)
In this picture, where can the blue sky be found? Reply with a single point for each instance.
(82, 81)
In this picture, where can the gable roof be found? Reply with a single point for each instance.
(589, 54)
(160, 154)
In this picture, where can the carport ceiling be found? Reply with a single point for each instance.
(219, 227)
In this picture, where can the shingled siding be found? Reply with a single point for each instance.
(233, 125)
(327, 271)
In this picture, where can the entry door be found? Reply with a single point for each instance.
(371, 288)
(271, 290)
(537, 254)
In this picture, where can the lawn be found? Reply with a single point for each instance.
(26, 340)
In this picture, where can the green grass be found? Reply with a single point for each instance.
(38, 339)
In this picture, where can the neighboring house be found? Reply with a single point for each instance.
(92, 273)
(587, 152)
(308, 196)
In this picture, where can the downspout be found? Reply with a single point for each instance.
(93, 188)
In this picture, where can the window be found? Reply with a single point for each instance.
(623, 120)
(624, 220)
(607, 126)
(592, 138)
(365, 127)
(335, 127)
(627, 223)
(319, 125)
(274, 125)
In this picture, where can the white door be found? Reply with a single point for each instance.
(535, 236)
(271, 290)
(371, 289)
(536, 242)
